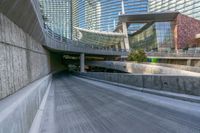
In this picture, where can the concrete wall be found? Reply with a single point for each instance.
(26, 14)
(22, 59)
(193, 62)
(178, 84)
(18, 111)
(132, 67)
(180, 67)
(57, 63)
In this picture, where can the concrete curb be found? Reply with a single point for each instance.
(20, 108)
(184, 97)
(35, 127)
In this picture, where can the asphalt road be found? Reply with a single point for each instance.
(80, 106)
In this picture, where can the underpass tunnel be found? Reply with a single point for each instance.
(78, 62)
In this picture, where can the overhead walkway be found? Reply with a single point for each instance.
(79, 47)
(76, 105)
(27, 15)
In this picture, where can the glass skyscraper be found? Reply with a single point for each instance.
(57, 17)
(61, 16)
(187, 7)
(104, 13)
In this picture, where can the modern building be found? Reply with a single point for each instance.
(101, 15)
(86, 14)
(187, 7)
(108, 12)
(93, 18)
(57, 17)
(163, 31)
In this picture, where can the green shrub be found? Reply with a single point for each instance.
(137, 55)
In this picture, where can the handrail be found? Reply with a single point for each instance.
(189, 53)
(80, 44)
(75, 46)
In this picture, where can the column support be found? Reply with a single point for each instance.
(116, 47)
(82, 62)
(125, 31)
(122, 44)
(189, 62)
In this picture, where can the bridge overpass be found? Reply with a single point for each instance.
(33, 98)
(32, 23)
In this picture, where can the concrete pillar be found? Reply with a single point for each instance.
(82, 62)
(116, 47)
(189, 62)
(122, 44)
(125, 31)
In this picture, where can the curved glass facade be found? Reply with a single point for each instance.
(156, 36)
(145, 39)
(187, 7)
(62, 15)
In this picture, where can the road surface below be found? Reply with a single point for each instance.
(77, 105)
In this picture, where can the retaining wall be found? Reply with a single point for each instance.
(178, 84)
(18, 111)
(138, 68)
(180, 67)
(22, 59)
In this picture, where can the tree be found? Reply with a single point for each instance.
(137, 55)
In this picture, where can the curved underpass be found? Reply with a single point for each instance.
(77, 105)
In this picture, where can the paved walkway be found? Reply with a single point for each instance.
(80, 106)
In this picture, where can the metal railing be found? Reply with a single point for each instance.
(76, 46)
(188, 53)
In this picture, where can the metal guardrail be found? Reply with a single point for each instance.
(173, 54)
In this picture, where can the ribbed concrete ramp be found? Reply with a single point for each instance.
(77, 105)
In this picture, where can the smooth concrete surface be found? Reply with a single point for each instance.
(35, 126)
(82, 62)
(187, 61)
(185, 97)
(77, 105)
(22, 59)
(18, 110)
(171, 83)
(25, 14)
(126, 40)
(139, 68)
(180, 67)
